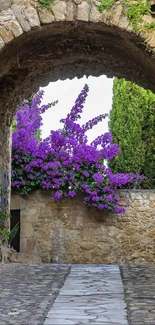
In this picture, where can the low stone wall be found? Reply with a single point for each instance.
(70, 232)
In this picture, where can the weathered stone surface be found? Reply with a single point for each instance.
(59, 10)
(5, 16)
(6, 34)
(83, 11)
(45, 15)
(139, 285)
(15, 28)
(5, 4)
(19, 13)
(28, 291)
(95, 15)
(32, 17)
(77, 2)
(70, 232)
(2, 43)
(25, 3)
(8, 20)
(70, 11)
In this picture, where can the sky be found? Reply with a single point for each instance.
(99, 101)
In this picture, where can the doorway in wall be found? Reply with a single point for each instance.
(15, 219)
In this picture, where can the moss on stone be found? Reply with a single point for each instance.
(150, 26)
(45, 3)
(105, 5)
(135, 12)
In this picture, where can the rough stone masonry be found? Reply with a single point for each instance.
(69, 231)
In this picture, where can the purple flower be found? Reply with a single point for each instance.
(98, 178)
(85, 173)
(57, 195)
(87, 199)
(101, 206)
(107, 189)
(118, 209)
(64, 160)
(95, 198)
(71, 193)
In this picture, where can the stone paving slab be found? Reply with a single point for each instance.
(90, 296)
(139, 285)
(28, 291)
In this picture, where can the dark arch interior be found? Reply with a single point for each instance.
(65, 50)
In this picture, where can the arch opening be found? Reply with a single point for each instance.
(65, 50)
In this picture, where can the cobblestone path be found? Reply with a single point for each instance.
(28, 291)
(139, 286)
(77, 295)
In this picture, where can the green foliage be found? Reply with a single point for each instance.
(149, 141)
(125, 124)
(45, 3)
(105, 5)
(132, 123)
(14, 126)
(38, 135)
(135, 12)
(150, 26)
(5, 234)
(13, 233)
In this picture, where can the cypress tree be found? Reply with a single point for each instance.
(132, 123)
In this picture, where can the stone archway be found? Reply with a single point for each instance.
(67, 39)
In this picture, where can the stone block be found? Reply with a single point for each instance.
(59, 10)
(6, 34)
(19, 14)
(70, 11)
(32, 17)
(2, 43)
(5, 4)
(26, 229)
(95, 15)
(45, 15)
(83, 11)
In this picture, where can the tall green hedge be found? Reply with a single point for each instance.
(132, 123)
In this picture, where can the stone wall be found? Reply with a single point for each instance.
(70, 232)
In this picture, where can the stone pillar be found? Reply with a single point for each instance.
(5, 159)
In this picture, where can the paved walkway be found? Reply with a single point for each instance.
(28, 291)
(77, 295)
(91, 295)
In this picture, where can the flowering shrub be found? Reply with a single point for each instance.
(65, 162)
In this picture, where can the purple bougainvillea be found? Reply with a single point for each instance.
(65, 163)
